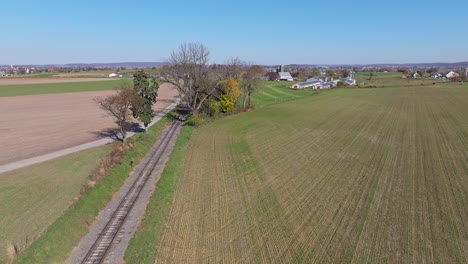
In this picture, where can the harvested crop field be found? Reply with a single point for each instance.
(347, 176)
(40, 124)
(20, 81)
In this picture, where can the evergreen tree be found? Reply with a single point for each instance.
(142, 107)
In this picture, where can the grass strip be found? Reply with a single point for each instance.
(144, 244)
(56, 244)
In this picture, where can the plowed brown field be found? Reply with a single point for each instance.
(348, 176)
(39, 124)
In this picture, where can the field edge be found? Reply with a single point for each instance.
(143, 246)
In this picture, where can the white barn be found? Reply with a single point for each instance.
(285, 76)
(303, 85)
(451, 74)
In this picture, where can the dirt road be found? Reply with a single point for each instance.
(40, 124)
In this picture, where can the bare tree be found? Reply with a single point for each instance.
(250, 82)
(272, 76)
(232, 69)
(189, 71)
(118, 106)
(345, 73)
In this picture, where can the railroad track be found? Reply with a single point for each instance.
(103, 243)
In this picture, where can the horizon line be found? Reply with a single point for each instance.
(267, 64)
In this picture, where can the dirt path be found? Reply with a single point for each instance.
(39, 124)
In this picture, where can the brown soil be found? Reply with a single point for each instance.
(40, 124)
(15, 81)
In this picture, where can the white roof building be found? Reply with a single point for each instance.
(285, 76)
(315, 80)
(112, 75)
(451, 74)
(303, 85)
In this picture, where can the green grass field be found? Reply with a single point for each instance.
(276, 92)
(394, 80)
(33, 197)
(65, 232)
(350, 175)
(50, 88)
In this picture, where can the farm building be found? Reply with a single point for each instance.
(413, 75)
(445, 75)
(315, 80)
(113, 75)
(326, 85)
(303, 85)
(437, 75)
(285, 76)
(350, 81)
(315, 83)
(451, 74)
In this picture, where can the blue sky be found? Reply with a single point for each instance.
(264, 32)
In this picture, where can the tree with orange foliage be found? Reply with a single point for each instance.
(230, 94)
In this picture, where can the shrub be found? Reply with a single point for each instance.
(195, 120)
(226, 103)
(214, 108)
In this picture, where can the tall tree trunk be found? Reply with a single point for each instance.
(123, 133)
(201, 103)
(245, 100)
(193, 107)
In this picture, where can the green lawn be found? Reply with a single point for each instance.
(33, 197)
(51, 88)
(350, 175)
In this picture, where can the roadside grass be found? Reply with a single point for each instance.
(57, 242)
(33, 197)
(350, 176)
(52, 88)
(143, 246)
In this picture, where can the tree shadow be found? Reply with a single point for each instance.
(114, 133)
(179, 114)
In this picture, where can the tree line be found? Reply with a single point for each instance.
(204, 88)
(208, 87)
